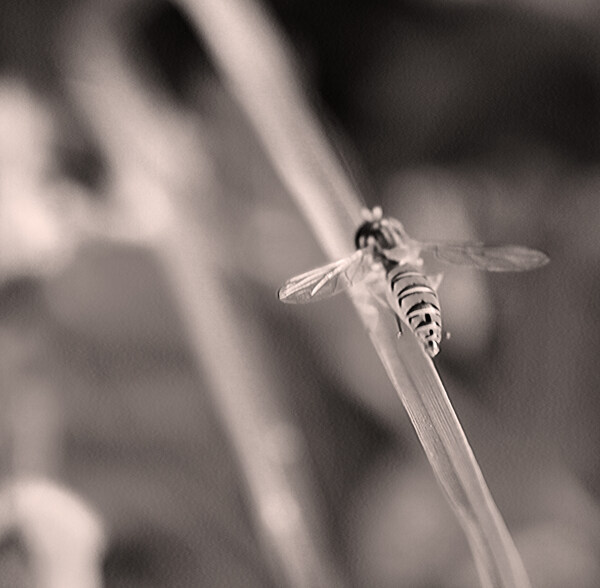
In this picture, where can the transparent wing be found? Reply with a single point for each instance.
(505, 258)
(328, 280)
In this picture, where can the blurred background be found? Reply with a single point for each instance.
(145, 378)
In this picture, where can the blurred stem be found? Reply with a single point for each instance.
(254, 63)
(31, 403)
(269, 447)
(63, 537)
(158, 160)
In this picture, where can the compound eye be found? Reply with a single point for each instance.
(364, 232)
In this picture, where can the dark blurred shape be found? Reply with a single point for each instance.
(148, 557)
(168, 49)
(26, 38)
(14, 562)
(19, 297)
(80, 159)
(418, 81)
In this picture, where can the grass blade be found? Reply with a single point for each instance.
(254, 63)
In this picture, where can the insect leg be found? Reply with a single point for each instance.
(399, 322)
(374, 282)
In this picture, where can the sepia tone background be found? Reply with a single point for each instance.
(465, 120)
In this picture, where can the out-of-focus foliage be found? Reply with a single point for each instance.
(468, 121)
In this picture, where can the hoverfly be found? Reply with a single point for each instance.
(383, 244)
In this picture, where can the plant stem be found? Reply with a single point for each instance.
(254, 63)
(160, 165)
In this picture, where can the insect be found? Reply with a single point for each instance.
(383, 246)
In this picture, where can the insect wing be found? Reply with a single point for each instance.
(505, 258)
(328, 280)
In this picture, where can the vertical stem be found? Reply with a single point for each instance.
(268, 444)
(130, 124)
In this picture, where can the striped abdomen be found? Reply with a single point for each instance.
(416, 302)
